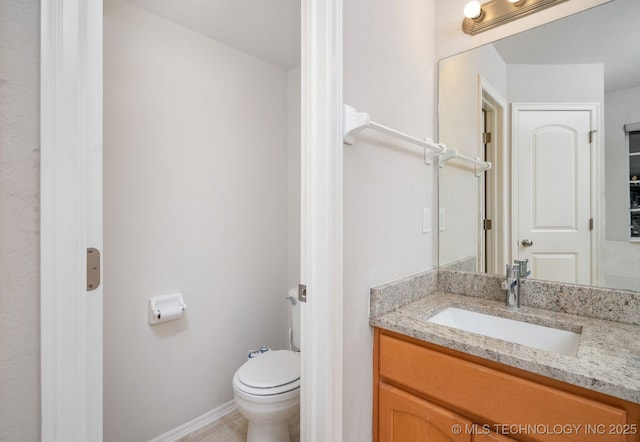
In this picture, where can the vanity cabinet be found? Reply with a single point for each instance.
(421, 391)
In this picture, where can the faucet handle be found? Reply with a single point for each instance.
(523, 270)
(508, 284)
(512, 277)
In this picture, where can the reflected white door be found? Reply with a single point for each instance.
(553, 201)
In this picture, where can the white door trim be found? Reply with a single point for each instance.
(489, 96)
(321, 230)
(71, 219)
(597, 174)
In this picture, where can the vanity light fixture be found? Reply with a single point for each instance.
(473, 10)
(479, 18)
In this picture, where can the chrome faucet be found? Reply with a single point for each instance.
(512, 285)
(515, 274)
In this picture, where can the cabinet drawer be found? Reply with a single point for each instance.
(492, 396)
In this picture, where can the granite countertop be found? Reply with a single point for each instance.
(607, 361)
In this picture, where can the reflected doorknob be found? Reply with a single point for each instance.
(527, 242)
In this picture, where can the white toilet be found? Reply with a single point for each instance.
(267, 387)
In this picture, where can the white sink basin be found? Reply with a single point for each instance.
(545, 338)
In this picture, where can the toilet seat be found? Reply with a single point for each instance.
(271, 373)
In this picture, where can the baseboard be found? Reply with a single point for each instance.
(196, 424)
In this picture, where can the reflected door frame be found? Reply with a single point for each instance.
(596, 173)
(494, 250)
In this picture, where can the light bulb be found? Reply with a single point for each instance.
(517, 2)
(472, 9)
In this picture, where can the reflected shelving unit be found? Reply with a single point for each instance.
(634, 181)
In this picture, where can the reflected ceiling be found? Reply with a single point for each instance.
(594, 33)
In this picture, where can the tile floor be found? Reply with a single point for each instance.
(232, 427)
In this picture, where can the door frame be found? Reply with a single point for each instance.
(596, 172)
(489, 97)
(71, 219)
(321, 402)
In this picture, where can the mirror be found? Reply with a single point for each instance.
(554, 100)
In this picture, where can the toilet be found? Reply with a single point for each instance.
(267, 387)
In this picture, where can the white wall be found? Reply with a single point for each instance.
(459, 129)
(558, 83)
(19, 221)
(195, 201)
(451, 40)
(388, 72)
(621, 263)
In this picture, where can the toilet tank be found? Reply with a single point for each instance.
(294, 331)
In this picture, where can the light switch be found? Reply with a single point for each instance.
(441, 219)
(426, 220)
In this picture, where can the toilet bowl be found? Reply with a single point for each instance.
(267, 392)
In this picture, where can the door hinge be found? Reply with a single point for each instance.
(302, 293)
(93, 269)
(590, 223)
(486, 137)
(591, 134)
(486, 224)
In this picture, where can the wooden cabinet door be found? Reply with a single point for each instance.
(481, 435)
(407, 418)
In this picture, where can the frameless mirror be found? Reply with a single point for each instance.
(548, 108)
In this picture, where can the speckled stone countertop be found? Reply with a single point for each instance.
(608, 357)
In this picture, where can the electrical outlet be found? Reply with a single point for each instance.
(426, 220)
(441, 219)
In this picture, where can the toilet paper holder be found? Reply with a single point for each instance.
(166, 308)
